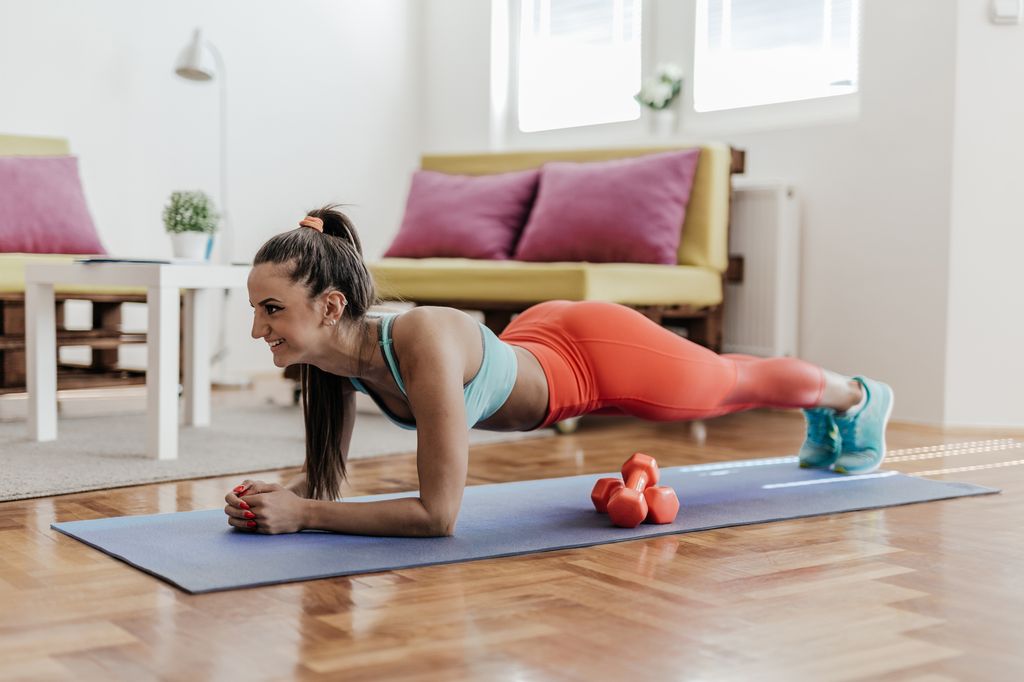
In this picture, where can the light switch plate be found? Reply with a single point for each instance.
(1005, 11)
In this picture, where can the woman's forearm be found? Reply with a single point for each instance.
(403, 517)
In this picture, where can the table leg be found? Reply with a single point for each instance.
(197, 357)
(162, 372)
(41, 361)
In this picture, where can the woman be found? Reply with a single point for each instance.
(441, 372)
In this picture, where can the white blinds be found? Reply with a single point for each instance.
(578, 62)
(751, 52)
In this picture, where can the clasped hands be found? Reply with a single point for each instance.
(260, 507)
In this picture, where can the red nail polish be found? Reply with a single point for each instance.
(238, 489)
(250, 515)
(251, 524)
(243, 504)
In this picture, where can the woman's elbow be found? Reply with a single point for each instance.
(437, 520)
(438, 525)
(441, 527)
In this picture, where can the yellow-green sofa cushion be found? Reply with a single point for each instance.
(12, 275)
(460, 279)
(24, 145)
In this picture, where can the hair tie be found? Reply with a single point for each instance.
(312, 223)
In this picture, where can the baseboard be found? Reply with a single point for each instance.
(1016, 430)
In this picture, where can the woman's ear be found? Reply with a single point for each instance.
(334, 307)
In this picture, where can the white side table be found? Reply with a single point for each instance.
(163, 282)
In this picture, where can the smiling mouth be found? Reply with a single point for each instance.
(275, 344)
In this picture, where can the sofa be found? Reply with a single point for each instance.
(685, 292)
(59, 209)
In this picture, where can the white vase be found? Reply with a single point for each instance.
(662, 122)
(190, 245)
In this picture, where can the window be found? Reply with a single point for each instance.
(578, 62)
(752, 52)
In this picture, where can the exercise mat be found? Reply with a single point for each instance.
(198, 552)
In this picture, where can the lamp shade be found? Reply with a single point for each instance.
(193, 62)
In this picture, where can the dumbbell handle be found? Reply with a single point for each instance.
(637, 481)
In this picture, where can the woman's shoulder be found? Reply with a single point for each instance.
(428, 329)
(439, 318)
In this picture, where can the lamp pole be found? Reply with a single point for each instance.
(192, 67)
(228, 246)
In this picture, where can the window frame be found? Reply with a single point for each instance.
(818, 110)
(672, 25)
(505, 131)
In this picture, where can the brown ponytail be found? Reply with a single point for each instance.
(327, 261)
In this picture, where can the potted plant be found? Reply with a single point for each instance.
(191, 220)
(658, 93)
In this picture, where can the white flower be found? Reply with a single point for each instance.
(655, 93)
(659, 90)
(668, 72)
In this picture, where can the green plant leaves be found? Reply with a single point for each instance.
(190, 212)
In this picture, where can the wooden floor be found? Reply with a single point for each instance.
(921, 592)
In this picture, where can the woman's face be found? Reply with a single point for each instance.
(283, 314)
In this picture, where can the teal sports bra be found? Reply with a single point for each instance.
(484, 394)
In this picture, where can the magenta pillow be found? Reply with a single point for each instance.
(623, 211)
(42, 207)
(463, 216)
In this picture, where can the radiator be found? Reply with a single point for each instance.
(762, 311)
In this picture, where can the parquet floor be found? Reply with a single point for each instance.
(922, 592)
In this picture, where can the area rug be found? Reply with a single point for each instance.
(198, 552)
(108, 452)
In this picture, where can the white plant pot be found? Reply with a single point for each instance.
(662, 122)
(190, 245)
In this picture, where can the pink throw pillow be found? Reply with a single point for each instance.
(464, 216)
(42, 207)
(623, 211)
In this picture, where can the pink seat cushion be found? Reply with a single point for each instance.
(42, 207)
(622, 211)
(462, 216)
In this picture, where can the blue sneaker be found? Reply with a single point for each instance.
(863, 434)
(822, 445)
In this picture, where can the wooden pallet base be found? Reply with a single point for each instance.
(103, 340)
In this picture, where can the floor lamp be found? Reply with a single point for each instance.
(194, 65)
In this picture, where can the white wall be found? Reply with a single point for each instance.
(455, 108)
(985, 362)
(322, 102)
(875, 208)
(876, 221)
(911, 233)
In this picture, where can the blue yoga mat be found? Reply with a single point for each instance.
(199, 552)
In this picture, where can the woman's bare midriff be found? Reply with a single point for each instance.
(527, 405)
(525, 408)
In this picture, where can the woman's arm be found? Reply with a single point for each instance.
(433, 354)
(433, 366)
(405, 517)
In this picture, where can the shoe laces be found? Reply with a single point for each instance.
(819, 427)
(848, 427)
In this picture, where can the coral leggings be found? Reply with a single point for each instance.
(609, 359)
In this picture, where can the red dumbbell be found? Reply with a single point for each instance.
(603, 490)
(662, 504)
(639, 498)
(627, 506)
